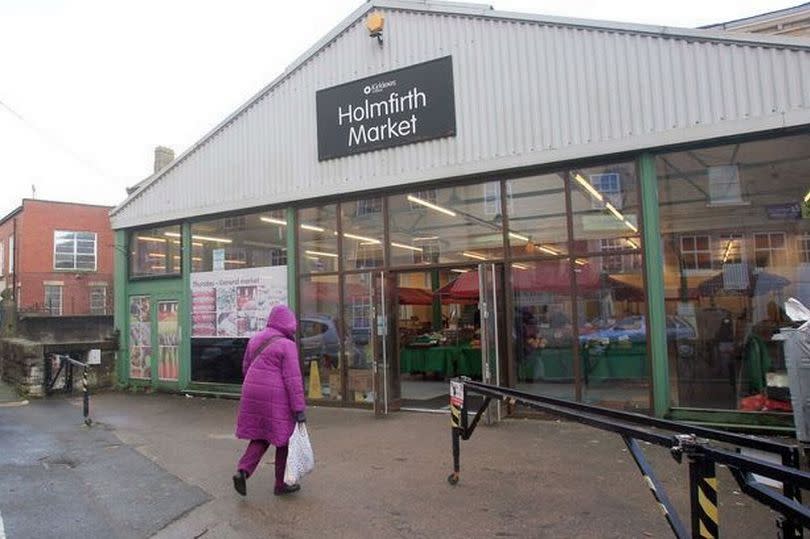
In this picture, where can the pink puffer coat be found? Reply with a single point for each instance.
(273, 390)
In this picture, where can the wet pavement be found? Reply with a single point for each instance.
(373, 478)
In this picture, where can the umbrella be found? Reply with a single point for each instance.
(414, 296)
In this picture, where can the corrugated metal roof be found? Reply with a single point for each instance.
(529, 90)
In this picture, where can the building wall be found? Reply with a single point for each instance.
(35, 254)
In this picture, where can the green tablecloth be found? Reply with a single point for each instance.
(615, 362)
(444, 360)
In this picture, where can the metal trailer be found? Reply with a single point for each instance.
(698, 444)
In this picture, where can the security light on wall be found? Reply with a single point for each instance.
(375, 22)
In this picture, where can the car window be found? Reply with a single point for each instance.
(629, 323)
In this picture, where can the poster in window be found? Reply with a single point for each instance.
(235, 303)
(168, 341)
(140, 338)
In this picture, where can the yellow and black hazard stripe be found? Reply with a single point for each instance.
(707, 506)
(455, 416)
(703, 493)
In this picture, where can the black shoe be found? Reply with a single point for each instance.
(286, 489)
(240, 483)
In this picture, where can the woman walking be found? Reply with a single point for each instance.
(272, 398)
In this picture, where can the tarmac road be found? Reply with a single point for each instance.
(373, 477)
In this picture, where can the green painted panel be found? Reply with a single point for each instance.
(655, 284)
(292, 261)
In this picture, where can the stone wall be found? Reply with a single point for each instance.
(64, 328)
(22, 364)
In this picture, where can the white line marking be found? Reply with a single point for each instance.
(2, 530)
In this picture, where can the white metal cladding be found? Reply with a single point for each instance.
(527, 92)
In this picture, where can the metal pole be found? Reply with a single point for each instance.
(457, 424)
(703, 497)
(790, 529)
(86, 403)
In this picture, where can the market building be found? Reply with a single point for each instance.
(606, 212)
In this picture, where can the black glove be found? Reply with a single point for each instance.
(300, 417)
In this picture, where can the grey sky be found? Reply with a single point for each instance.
(89, 87)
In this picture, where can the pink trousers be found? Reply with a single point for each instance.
(253, 455)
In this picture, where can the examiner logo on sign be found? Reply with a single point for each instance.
(408, 105)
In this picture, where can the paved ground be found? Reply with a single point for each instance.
(375, 477)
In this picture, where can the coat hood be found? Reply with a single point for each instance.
(282, 319)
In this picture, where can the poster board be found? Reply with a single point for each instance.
(235, 303)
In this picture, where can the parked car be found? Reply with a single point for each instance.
(319, 337)
(634, 330)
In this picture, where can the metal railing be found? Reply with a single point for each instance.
(698, 444)
(66, 366)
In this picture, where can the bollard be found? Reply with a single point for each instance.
(86, 403)
(703, 497)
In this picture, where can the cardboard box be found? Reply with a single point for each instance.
(360, 380)
(334, 384)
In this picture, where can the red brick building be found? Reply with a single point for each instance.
(58, 257)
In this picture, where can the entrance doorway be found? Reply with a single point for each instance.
(449, 322)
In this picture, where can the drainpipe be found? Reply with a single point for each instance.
(14, 265)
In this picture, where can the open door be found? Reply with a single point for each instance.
(490, 304)
(387, 396)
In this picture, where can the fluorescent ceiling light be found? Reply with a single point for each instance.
(519, 237)
(313, 228)
(150, 238)
(807, 197)
(581, 262)
(361, 238)
(476, 256)
(548, 250)
(409, 247)
(727, 252)
(426, 238)
(321, 253)
(239, 262)
(273, 220)
(588, 187)
(631, 243)
(630, 225)
(616, 213)
(158, 267)
(200, 238)
(158, 255)
(459, 270)
(430, 205)
(520, 266)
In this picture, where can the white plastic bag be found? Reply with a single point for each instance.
(300, 459)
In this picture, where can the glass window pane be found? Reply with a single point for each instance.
(317, 239)
(358, 297)
(362, 226)
(155, 251)
(140, 337)
(754, 194)
(463, 225)
(613, 333)
(168, 360)
(86, 262)
(239, 242)
(604, 201)
(319, 343)
(64, 261)
(544, 344)
(537, 215)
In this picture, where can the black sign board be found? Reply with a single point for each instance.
(407, 105)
